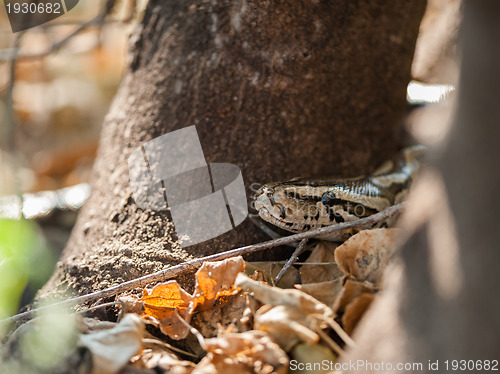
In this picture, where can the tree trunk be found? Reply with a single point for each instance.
(467, 326)
(279, 88)
(442, 303)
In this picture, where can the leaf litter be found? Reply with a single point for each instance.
(237, 322)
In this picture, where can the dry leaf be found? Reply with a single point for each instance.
(365, 255)
(355, 310)
(287, 325)
(288, 315)
(211, 322)
(87, 324)
(131, 304)
(322, 253)
(216, 279)
(278, 296)
(326, 292)
(162, 362)
(271, 269)
(112, 349)
(168, 305)
(158, 355)
(351, 290)
(248, 352)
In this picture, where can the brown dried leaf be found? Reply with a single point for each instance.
(157, 355)
(355, 310)
(131, 304)
(365, 255)
(248, 352)
(351, 290)
(211, 322)
(288, 315)
(87, 324)
(112, 349)
(271, 269)
(326, 292)
(278, 296)
(287, 325)
(323, 253)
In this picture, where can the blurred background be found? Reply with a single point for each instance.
(57, 81)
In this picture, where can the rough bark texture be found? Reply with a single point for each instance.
(442, 303)
(280, 88)
(468, 326)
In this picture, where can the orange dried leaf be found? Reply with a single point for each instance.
(167, 303)
(166, 295)
(215, 280)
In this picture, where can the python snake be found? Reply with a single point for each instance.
(303, 204)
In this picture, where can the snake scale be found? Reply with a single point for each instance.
(303, 204)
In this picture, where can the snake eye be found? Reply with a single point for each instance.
(291, 193)
(329, 198)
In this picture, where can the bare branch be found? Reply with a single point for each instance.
(291, 260)
(176, 270)
(97, 21)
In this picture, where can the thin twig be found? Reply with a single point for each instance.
(334, 346)
(257, 221)
(100, 306)
(340, 332)
(195, 332)
(9, 54)
(10, 122)
(169, 346)
(291, 260)
(309, 263)
(176, 270)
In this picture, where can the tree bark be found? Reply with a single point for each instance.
(279, 88)
(467, 325)
(442, 301)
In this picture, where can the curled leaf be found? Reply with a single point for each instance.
(289, 316)
(287, 325)
(215, 280)
(112, 349)
(167, 303)
(365, 255)
(352, 289)
(355, 310)
(169, 306)
(278, 296)
(326, 292)
(247, 352)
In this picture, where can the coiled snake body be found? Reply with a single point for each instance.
(303, 204)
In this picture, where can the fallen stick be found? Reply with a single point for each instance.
(176, 270)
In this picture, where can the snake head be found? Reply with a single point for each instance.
(282, 205)
(264, 200)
